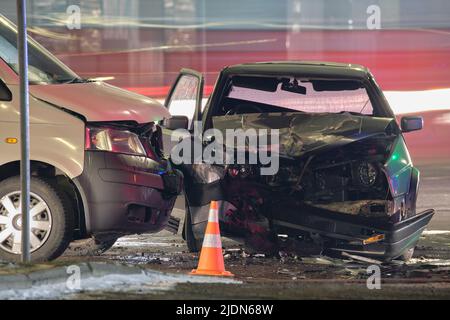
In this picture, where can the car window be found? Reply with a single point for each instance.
(313, 100)
(43, 68)
(184, 97)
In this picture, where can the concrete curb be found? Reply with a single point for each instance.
(58, 282)
(61, 274)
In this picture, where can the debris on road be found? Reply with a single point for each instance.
(286, 274)
(359, 258)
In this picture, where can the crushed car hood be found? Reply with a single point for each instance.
(98, 101)
(302, 133)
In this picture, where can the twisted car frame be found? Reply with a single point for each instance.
(346, 182)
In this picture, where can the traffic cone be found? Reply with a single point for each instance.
(211, 258)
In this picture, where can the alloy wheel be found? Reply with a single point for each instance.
(11, 222)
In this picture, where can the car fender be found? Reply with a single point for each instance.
(56, 137)
(398, 168)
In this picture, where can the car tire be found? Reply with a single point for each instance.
(407, 255)
(193, 244)
(52, 221)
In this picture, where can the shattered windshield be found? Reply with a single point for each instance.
(305, 95)
(43, 67)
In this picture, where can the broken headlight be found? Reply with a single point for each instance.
(113, 140)
(367, 173)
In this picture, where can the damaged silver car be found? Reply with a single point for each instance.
(345, 181)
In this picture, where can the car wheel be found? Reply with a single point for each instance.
(407, 255)
(193, 244)
(51, 222)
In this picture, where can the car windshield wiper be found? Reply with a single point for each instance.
(72, 80)
(353, 113)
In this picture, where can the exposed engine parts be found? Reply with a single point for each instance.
(349, 181)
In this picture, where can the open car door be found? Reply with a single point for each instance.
(184, 103)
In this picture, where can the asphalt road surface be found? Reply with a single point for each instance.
(282, 276)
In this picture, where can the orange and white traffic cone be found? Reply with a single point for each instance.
(211, 258)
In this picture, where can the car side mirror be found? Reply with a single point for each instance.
(5, 93)
(411, 123)
(176, 122)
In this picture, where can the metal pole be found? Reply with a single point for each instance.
(24, 128)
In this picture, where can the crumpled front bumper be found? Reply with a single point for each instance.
(355, 235)
(126, 194)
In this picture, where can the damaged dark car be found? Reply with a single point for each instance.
(345, 182)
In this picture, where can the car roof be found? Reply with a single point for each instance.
(301, 68)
